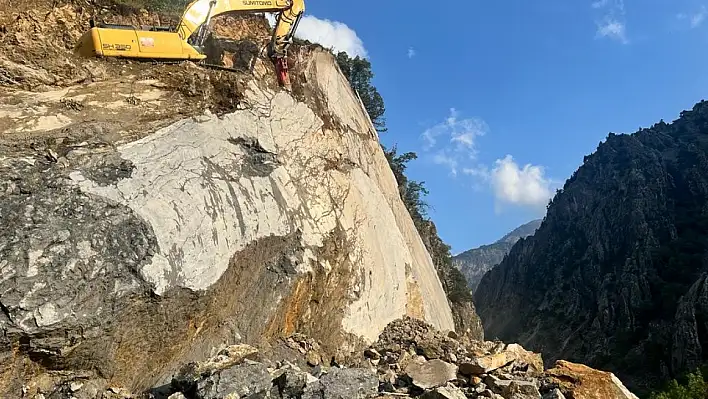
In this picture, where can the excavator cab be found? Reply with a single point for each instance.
(127, 41)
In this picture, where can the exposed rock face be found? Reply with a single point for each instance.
(136, 238)
(615, 277)
(475, 262)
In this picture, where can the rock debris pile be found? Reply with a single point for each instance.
(410, 359)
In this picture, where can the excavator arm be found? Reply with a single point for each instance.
(282, 37)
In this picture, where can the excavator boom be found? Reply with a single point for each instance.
(184, 42)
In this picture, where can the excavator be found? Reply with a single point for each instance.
(185, 41)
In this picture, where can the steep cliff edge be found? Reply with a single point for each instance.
(474, 263)
(615, 277)
(153, 212)
(459, 296)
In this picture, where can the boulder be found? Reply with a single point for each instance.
(525, 359)
(485, 364)
(355, 383)
(511, 388)
(431, 374)
(582, 382)
(313, 358)
(555, 393)
(239, 381)
(291, 383)
(447, 392)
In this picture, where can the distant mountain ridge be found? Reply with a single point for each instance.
(475, 262)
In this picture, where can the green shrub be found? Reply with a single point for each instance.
(693, 388)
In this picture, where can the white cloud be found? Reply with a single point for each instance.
(455, 139)
(612, 24)
(334, 34)
(696, 19)
(613, 29)
(524, 186)
(452, 143)
(411, 52)
(443, 158)
(479, 171)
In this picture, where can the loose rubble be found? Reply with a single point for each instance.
(409, 360)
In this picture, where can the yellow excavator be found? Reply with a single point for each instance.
(185, 41)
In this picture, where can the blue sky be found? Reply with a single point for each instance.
(502, 99)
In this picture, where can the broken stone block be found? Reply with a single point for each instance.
(291, 383)
(554, 394)
(526, 360)
(372, 353)
(431, 374)
(239, 381)
(517, 389)
(344, 384)
(485, 364)
(313, 358)
(447, 392)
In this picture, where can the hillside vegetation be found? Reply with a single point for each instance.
(692, 386)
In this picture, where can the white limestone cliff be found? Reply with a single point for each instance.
(138, 239)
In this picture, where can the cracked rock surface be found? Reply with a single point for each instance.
(127, 254)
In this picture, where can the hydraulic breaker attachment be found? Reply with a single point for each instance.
(281, 69)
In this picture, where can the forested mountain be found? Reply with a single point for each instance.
(475, 262)
(617, 274)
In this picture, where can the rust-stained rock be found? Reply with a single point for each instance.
(578, 381)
